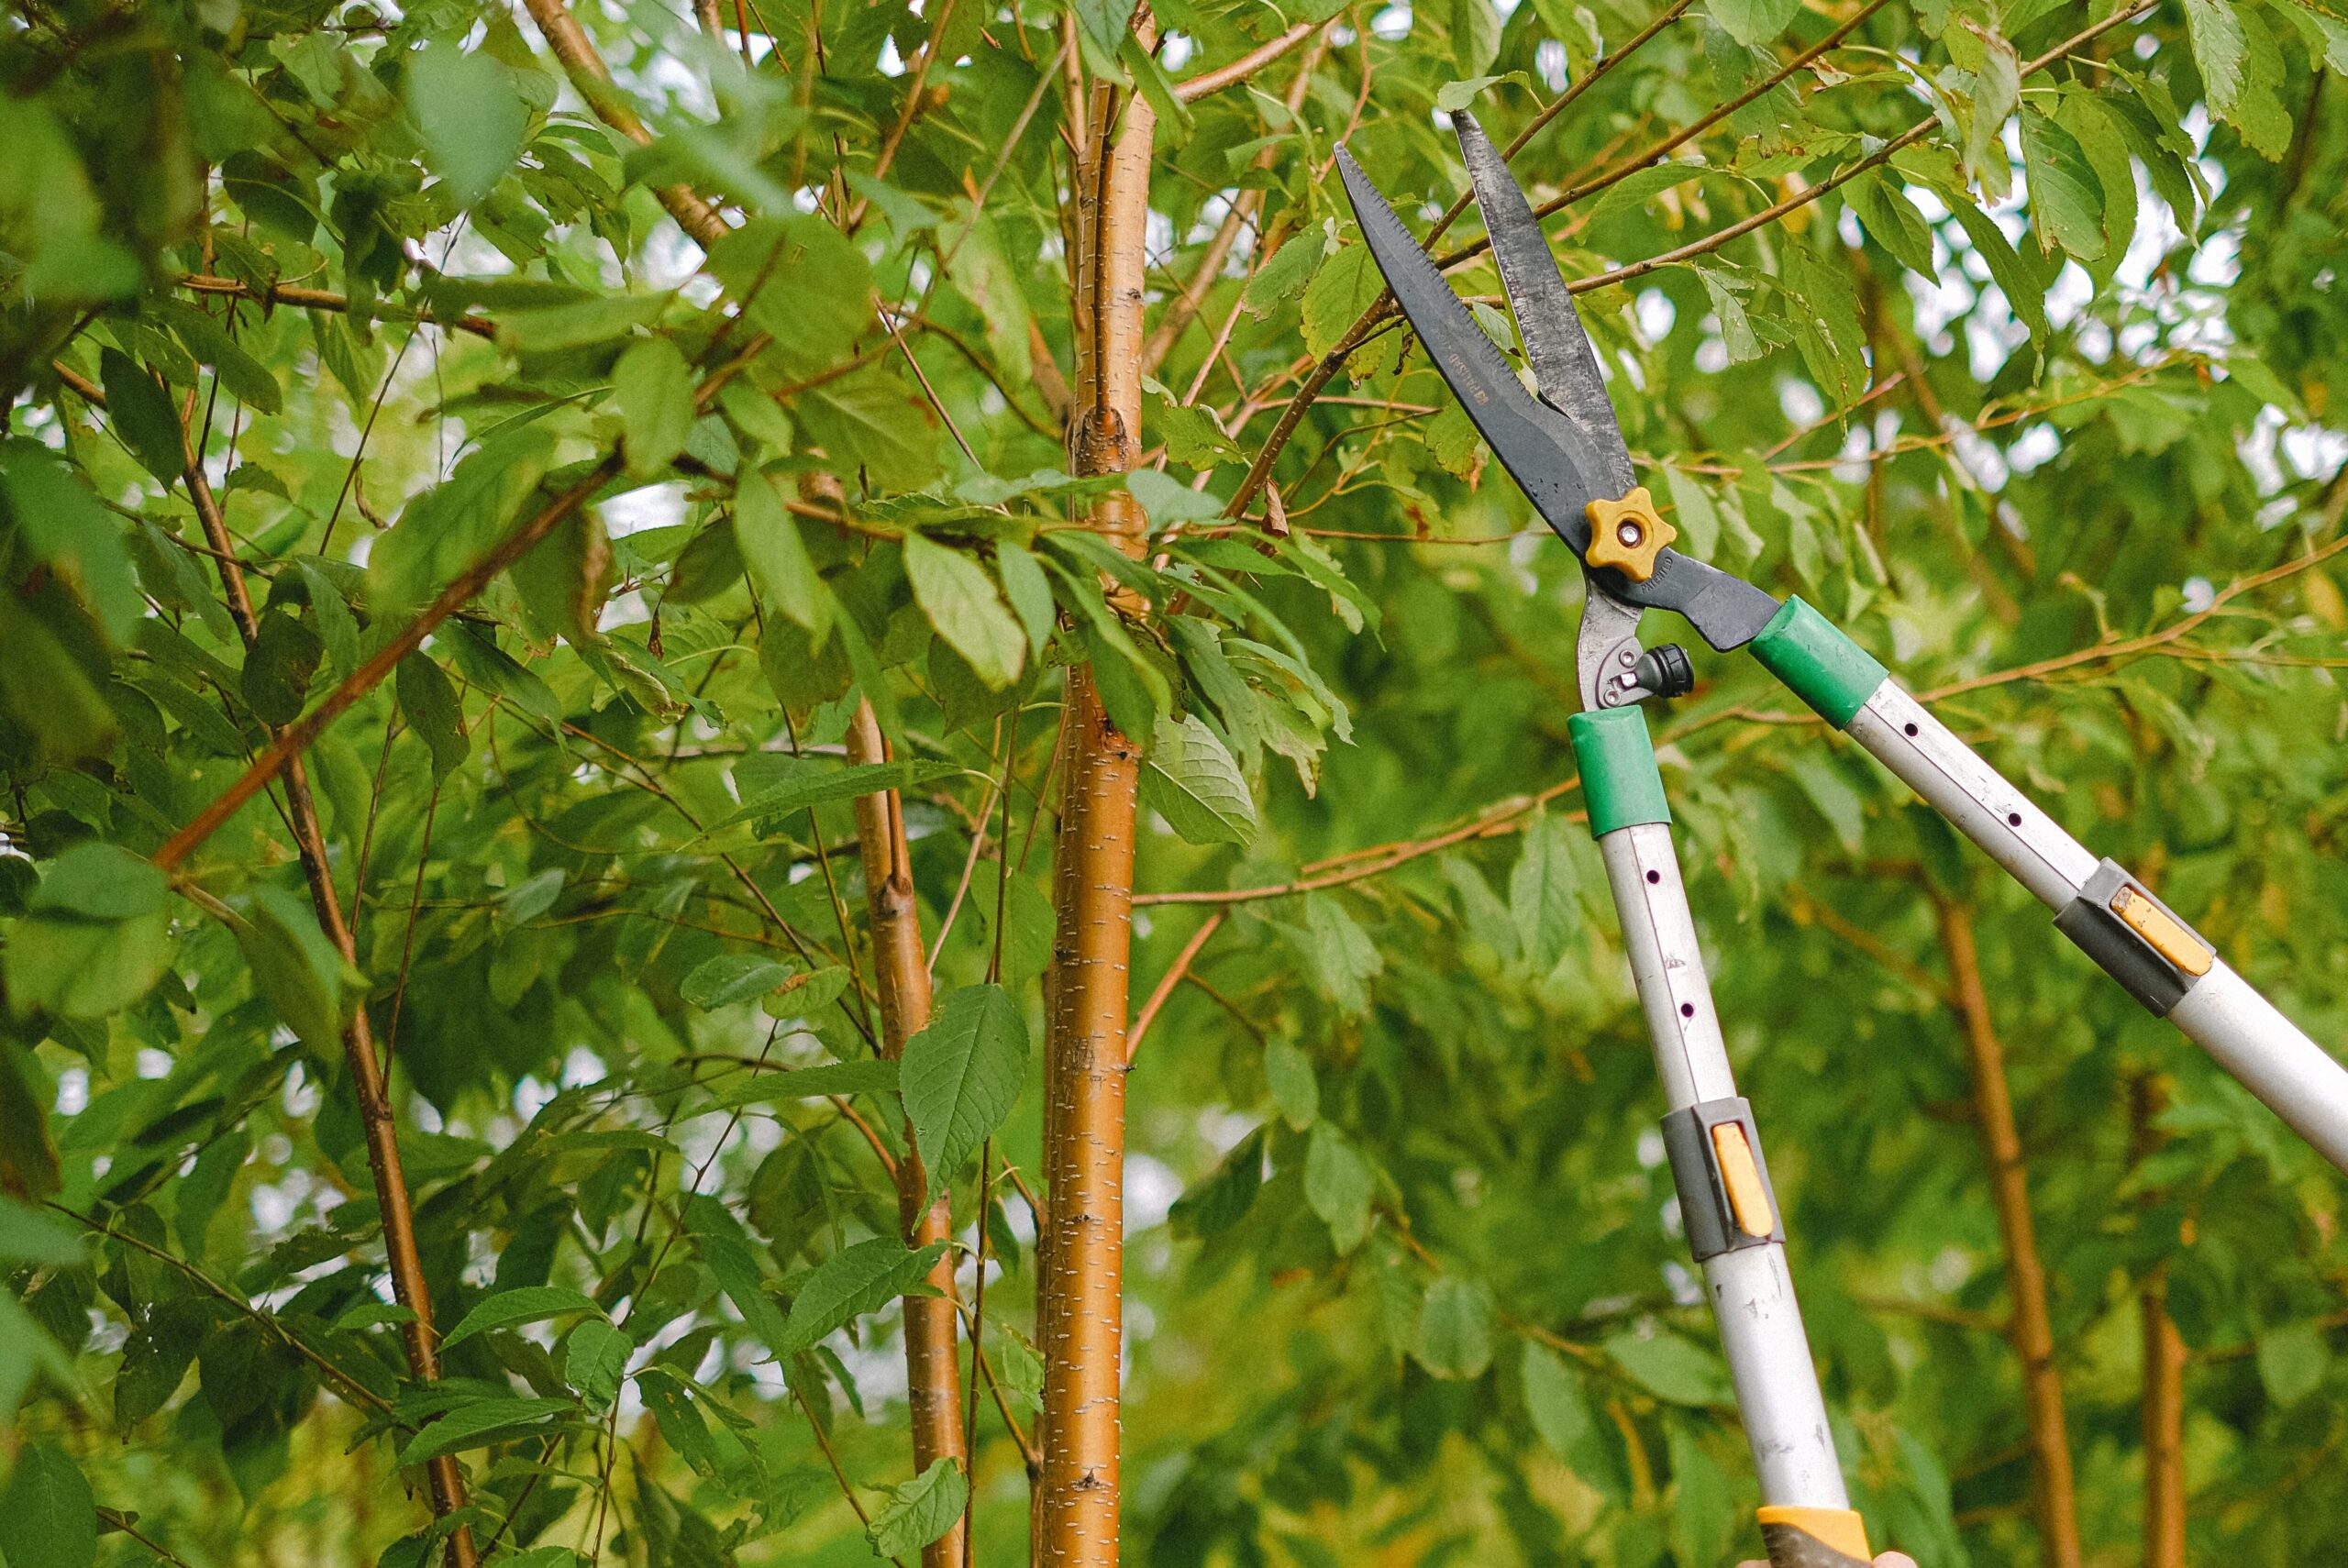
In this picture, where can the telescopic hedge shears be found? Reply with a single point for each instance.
(1563, 446)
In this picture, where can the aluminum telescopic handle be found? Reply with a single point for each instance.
(2113, 918)
(1730, 1210)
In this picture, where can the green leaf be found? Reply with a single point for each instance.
(479, 1425)
(806, 1083)
(919, 1512)
(1753, 22)
(654, 388)
(731, 978)
(1893, 221)
(800, 279)
(2024, 294)
(1339, 1186)
(870, 424)
(338, 629)
(470, 118)
(1296, 1089)
(96, 936)
(525, 1304)
(777, 557)
(77, 537)
(47, 1518)
(594, 1362)
(2292, 1362)
(293, 964)
(155, 1360)
(1191, 780)
(1287, 274)
(1168, 501)
(1832, 793)
(961, 1076)
(142, 415)
(30, 1236)
(1703, 1516)
(1559, 1403)
(858, 1279)
(450, 526)
(2066, 199)
(961, 602)
(1347, 283)
(1672, 1368)
(279, 669)
(1030, 592)
(1455, 1331)
(430, 705)
(1543, 892)
(550, 329)
(815, 786)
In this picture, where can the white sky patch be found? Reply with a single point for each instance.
(1151, 1188)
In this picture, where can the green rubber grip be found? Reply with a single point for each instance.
(1619, 782)
(1822, 667)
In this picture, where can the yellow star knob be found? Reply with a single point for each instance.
(1628, 533)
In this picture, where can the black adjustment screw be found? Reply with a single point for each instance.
(1665, 671)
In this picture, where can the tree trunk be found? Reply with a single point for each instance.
(2053, 1496)
(933, 1375)
(1079, 1311)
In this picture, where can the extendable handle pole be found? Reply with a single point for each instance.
(1730, 1210)
(2114, 919)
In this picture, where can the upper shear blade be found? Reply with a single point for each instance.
(1558, 465)
(1564, 361)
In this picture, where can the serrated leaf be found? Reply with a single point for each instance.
(1893, 221)
(1287, 274)
(2066, 200)
(1455, 1329)
(858, 1279)
(731, 978)
(777, 559)
(47, 1517)
(961, 1076)
(142, 415)
(963, 604)
(1339, 1186)
(1296, 1089)
(478, 1425)
(429, 703)
(804, 1083)
(1542, 891)
(919, 1512)
(654, 389)
(1672, 1368)
(1191, 780)
(1753, 22)
(594, 1362)
(527, 1304)
(815, 786)
(1346, 284)
(471, 120)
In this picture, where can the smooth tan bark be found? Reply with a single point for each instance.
(2053, 1496)
(933, 1375)
(1080, 1256)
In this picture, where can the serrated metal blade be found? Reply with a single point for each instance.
(1565, 362)
(1558, 465)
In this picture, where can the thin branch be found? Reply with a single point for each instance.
(297, 737)
(326, 299)
(1190, 89)
(1167, 981)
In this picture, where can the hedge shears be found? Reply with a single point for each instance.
(1561, 443)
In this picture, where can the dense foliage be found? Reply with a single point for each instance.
(2005, 334)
